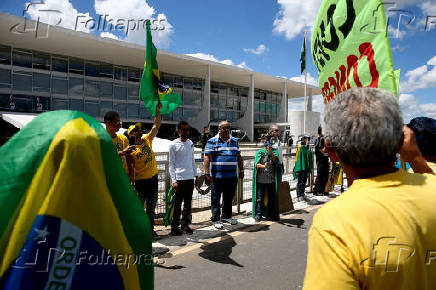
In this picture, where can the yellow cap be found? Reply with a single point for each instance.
(132, 127)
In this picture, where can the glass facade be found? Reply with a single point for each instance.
(32, 81)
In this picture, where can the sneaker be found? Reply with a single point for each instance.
(175, 232)
(257, 218)
(230, 221)
(218, 225)
(306, 199)
(187, 230)
(154, 234)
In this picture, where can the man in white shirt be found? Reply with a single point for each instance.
(182, 171)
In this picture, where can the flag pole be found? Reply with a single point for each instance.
(305, 82)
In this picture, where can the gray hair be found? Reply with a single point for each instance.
(272, 126)
(365, 126)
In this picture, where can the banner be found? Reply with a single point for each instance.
(152, 90)
(350, 47)
(69, 217)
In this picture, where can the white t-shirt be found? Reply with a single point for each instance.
(181, 160)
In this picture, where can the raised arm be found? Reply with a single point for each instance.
(156, 124)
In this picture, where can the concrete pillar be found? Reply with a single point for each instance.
(246, 123)
(203, 118)
(309, 101)
(283, 115)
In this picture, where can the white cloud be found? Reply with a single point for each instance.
(261, 49)
(420, 78)
(428, 8)
(294, 16)
(310, 79)
(396, 32)
(412, 109)
(60, 10)
(137, 11)
(210, 57)
(108, 35)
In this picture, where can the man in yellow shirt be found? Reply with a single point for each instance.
(146, 181)
(113, 124)
(380, 233)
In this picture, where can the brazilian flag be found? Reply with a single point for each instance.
(152, 90)
(69, 218)
(169, 206)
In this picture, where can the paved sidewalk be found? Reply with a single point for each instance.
(204, 230)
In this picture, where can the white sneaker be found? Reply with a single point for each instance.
(230, 221)
(218, 225)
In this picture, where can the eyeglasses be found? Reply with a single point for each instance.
(225, 128)
(276, 130)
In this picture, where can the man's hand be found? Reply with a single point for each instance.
(409, 152)
(176, 186)
(207, 179)
(127, 150)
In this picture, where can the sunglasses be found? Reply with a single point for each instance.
(225, 128)
(276, 130)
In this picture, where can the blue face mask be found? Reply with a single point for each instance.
(267, 143)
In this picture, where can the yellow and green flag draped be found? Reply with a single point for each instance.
(152, 90)
(170, 201)
(350, 47)
(303, 160)
(69, 218)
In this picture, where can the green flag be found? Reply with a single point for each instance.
(303, 55)
(152, 90)
(350, 47)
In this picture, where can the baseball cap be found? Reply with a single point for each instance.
(132, 127)
(425, 134)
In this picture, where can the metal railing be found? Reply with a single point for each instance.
(244, 190)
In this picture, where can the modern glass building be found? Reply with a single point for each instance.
(73, 70)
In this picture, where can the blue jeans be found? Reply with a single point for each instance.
(261, 188)
(301, 184)
(226, 187)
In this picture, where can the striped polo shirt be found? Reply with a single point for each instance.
(223, 156)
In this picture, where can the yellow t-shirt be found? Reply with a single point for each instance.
(144, 160)
(379, 234)
(121, 142)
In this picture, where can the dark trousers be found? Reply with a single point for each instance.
(147, 193)
(184, 193)
(261, 188)
(226, 187)
(301, 184)
(322, 175)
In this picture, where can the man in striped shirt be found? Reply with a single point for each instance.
(222, 157)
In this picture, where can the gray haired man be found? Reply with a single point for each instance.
(377, 235)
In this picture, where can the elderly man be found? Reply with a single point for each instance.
(274, 133)
(221, 159)
(381, 233)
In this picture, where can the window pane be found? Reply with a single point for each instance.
(105, 106)
(21, 58)
(22, 103)
(76, 105)
(133, 92)
(5, 55)
(178, 82)
(106, 90)
(41, 82)
(41, 61)
(59, 86)
(243, 92)
(106, 71)
(134, 75)
(215, 115)
(143, 113)
(76, 66)
(120, 73)
(244, 102)
(120, 93)
(268, 108)
(91, 89)
(222, 115)
(256, 106)
(262, 107)
(59, 64)
(92, 69)
(222, 101)
(59, 104)
(22, 81)
(92, 108)
(191, 97)
(187, 83)
(167, 79)
(5, 76)
(76, 86)
(121, 108)
(214, 101)
(178, 114)
(189, 113)
(233, 91)
(133, 110)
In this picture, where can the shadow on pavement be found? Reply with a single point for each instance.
(256, 228)
(219, 252)
(175, 267)
(293, 223)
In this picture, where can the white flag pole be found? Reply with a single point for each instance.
(305, 82)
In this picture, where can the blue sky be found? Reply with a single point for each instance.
(261, 35)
